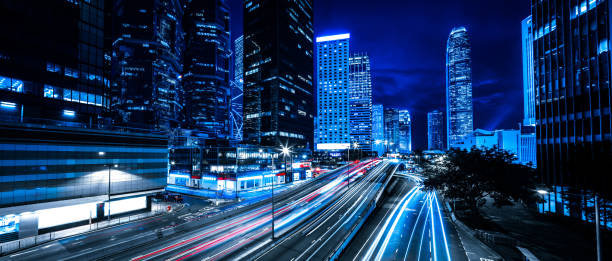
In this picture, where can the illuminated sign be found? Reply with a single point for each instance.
(9, 224)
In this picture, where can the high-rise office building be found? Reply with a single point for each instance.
(206, 66)
(459, 108)
(278, 72)
(52, 64)
(378, 129)
(527, 144)
(236, 90)
(360, 100)
(333, 92)
(434, 130)
(528, 88)
(405, 132)
(392, 130)
(571, 62)
(147, 40)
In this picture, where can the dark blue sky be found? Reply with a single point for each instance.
(406, 41)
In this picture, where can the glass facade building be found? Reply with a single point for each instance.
(378, 129)
(392, 130)
(434, 130)
(147, 45)
(206, 66)
(459, 108)
(528, 89)
(571, 63)
(405, 132)
(360, 100)
(333, 110)
(278, 73)
(236, 112)
(52, 68)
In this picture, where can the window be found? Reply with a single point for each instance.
(11, 84)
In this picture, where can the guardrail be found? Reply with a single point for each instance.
(23, 243)
(369, 209)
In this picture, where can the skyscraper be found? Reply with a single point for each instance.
(52, 63)
(146, 64)
(278, 72)
(206, 65)
(405, 132)
(527, 144)
(333, 92)
(378, 129)
(528, 87)
(459, 109)
(236, 90)
(392, 130)
(571, 62)
(434, 130)
(360, 100)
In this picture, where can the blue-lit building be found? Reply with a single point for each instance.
(360, 101)
(52, 64)
(46, 172)
(507, 140)
(571, 65)
(378, 129)
(278, 73)
(527, 145)
(392, 130)
(333, 110)
(206, 67)
(405, 132)
(435, 124)
(236, 90)
(459, 108)
(147, 49)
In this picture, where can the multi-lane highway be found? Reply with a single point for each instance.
(409, 225)
(333, 216)
(323, 235)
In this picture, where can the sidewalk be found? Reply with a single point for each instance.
(547, 237)
(473, 248)
(11, 246)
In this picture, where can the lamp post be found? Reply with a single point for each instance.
(597, 238)
(102, 154)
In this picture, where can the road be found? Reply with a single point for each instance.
(138, 238)
(321, 236)
(409, 225)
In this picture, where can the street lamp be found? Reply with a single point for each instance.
(102, 154)
(597, 237)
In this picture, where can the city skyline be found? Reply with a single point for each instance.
(493, 25)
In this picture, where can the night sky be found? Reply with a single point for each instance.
(406, 41)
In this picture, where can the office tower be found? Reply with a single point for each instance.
(528, 87)
(333, 92)
(52, 64)
(405, 132)
(278, 72)
(571, 55)
(147, 47)
(360, 100)
(378, 129)
(459, 110)
(527, 144)
(392, 130)
(434, 130)
(236, 90)
(206, 66)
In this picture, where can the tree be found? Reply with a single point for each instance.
(473, 175)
